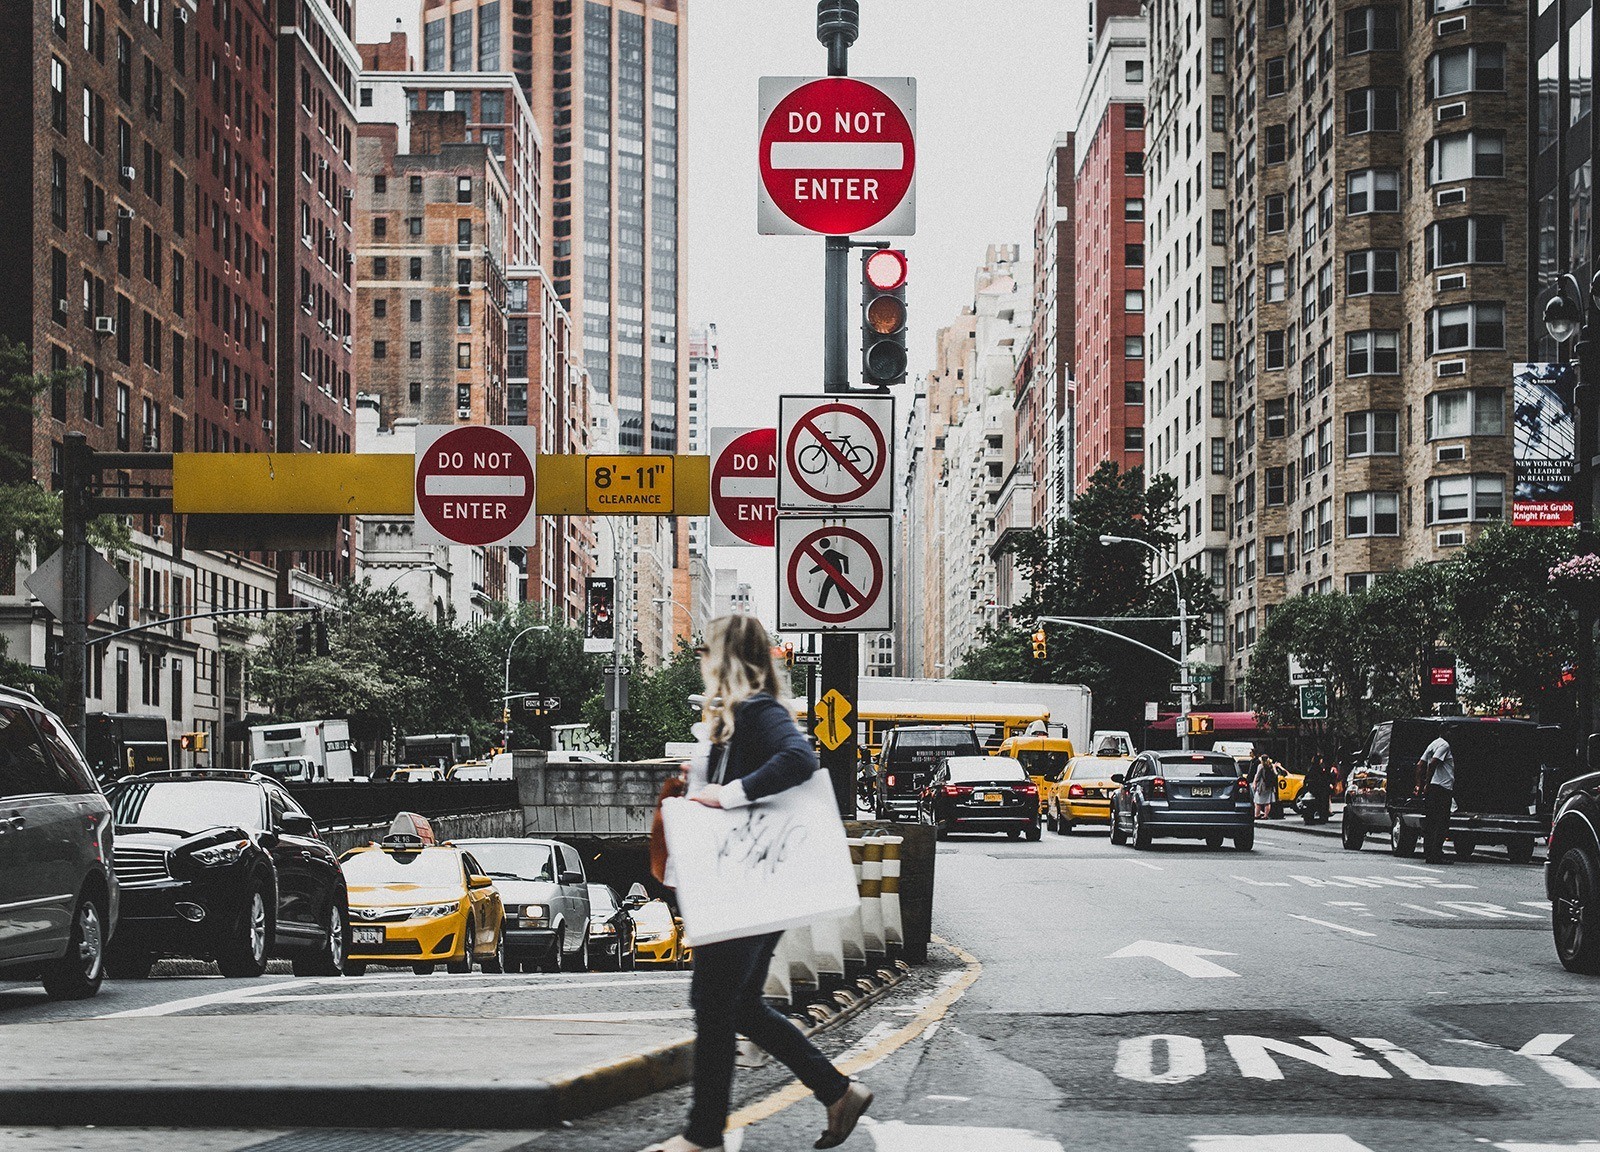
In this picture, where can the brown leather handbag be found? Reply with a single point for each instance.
(673, 786)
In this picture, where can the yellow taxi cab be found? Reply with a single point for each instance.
(1243, 752)
(1042, 757)
(1081, 792)
(414, 901)
(658, 936)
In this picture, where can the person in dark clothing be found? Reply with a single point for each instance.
(757, 751)
(1436, 776)
(1319, 791)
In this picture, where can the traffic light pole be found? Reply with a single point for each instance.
(838, 23)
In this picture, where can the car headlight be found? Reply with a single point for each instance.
(533, 914)
(422, 911)
(220, 854)
(606, 929)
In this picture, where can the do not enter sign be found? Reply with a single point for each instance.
(474, 484)
(744, 486)
(838, 156)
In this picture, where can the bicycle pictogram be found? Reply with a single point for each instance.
(814, 458)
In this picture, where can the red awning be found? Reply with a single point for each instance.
(1220, 722)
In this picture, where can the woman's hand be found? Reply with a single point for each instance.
(710, 796)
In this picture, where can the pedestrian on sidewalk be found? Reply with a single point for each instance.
(1319, 791)
(1436, 778)
(1263, 786)
(757, 751)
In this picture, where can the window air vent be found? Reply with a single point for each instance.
(1450, 368)
(105, 323)
(266, 425)
(1454, 111)
(1452, 452)
(1453, 25)
(1450, 196)
(1453, 282)
(1453, 539)
(240, 404)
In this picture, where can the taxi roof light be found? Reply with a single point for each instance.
(409, 830)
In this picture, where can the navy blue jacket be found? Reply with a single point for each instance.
(768, 752)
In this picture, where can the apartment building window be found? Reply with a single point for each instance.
(1325, 523)
(1452, 499)
(1133, 208)
(1219, 56)
(1477, 154)
(433, 46)
(1372, 190)
(414, 391)
(380, 184)
(1277, 556)
(1277, 13)
(1375, 433)
(1133, 114)
(1325, 132)
(124, 417)
(414, 225)
(1277, 141)
(1133, 163)
(1474, 68)
(1308, 454)
(1133, 300)
(1372, 29)
(463, 189)
(1324, 443)
(464, 271)
(1372, 271)
(1359, 582)
(380, 349)
(464, 355)
(1219, 113)
(1219, 456)
(416, 350)
(1276, 216)
(1219, 513)
(1466, 240)
(1219, 170)
(1371, 110)
(1133, 349)
(1372, 352)
(1133, 438)
(1308, 224)
(1308, 530)
(1465, 412)
(1219, 226)
(1133, 255)
(1277, 82)
(58, 95)
(1276, 487)
(1371, 514)
(464, 315)
(380, 307)
(414, 183)
(1277, 419)
(1277, 281)
(1273, 350)
(380, 267)
(414, 311)
(414, 268)
(1464, 327)
(1219, 285)
(464, 232)
(1219, 341)
(1219, 398)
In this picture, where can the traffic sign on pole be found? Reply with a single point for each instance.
(744, 486)
(474, 484)
(1313, 701)
(833, 574)
(838, 156)
(836, 453)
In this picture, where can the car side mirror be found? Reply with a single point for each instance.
(297, 824)
(477, 882)
(1118, 777)
(572, 877)
(632, 902)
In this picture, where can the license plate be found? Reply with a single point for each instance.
(991, 797)
(1201, 791)
(369, 934)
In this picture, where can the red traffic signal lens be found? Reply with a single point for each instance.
(886, 269)
(886, 315)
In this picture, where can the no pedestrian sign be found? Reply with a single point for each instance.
(833, 575)
(838, 156)
(474, 484)
(836, 453)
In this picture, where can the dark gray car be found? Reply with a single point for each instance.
(58, 899)
(1199, 795)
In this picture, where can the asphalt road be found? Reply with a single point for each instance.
(1297, 998)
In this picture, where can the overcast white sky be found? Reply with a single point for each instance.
(996, 80)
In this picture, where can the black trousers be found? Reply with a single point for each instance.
(726, 997)
(1435, 820)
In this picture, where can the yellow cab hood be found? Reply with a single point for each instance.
(400, 895)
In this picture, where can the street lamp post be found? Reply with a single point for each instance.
(505, 697)
(1182, 637)
(679, 607)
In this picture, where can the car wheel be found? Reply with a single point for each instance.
(496, 964)
(579, 960)
(1034, 832)
(1520, 849)
(355, 967)
(1118, 836)
(131, 964)
(1245, 841)
(1575, 911)
(1050, 821)
(1014, 833)
(328, 960)
(633, 958)
(1141, 831)
(1402, 840)
(1064, 826)
(941, 831)
(1351, 834)
(463, 966)
(423, 969)
(244, 953)
(552, 961)
(1214, 841)
(77, 973)
(677, 961)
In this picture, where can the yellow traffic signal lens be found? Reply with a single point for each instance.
(886, 315)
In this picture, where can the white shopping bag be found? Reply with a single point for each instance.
(780, 862)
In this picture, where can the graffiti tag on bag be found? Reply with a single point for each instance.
(759, 843)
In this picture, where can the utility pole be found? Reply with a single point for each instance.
(838, 25)
(76, 467)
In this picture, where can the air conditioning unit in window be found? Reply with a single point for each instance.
(241, 404)
(1450, 368)
(61, 306)
(128, 173)
(463, 413)
(1452, 452)
(1453, 282)
(266, 425)
(1452, 539)
(152, 443)
(1450, 196)
(105, 323)
(464, 289)
(1453, 111)
(124, 212)
(183, 14)
(102, 235)
(1453, 25)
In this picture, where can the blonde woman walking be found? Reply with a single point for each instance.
(757, 751)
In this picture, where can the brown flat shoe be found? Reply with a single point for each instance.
(843, 1115)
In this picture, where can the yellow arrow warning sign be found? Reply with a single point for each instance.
(831, 728)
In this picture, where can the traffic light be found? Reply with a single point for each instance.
(192, 742)
(598, 618)
(788, 654)
(1040, 649)
(1200, 724)
(883, 317)
(305, 637)
(505, 715)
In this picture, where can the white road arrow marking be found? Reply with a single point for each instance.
(898, 1136)
(1279, 1142)
(1182, 957)
(1331, 924)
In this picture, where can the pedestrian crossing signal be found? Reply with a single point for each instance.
(1201, 725)
(192, 742)
(1040, 649)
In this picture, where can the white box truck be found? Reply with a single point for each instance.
(316, 750)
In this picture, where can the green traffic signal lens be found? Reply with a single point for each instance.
(886, 361)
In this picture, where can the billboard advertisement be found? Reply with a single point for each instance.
(1546, 446)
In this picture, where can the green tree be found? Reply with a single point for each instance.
(658, 705)
(550, 662)
(1325, 631)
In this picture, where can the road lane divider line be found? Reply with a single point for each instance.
(459, 990)
(1431, 911)
(172, 1007)
(923, 1024)
(1331, 924)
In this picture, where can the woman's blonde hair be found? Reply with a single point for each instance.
(738, 665)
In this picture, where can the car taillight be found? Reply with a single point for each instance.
(1074, 790)
(1242, 783)
(891, 781)
(1027, 789)
(1158, 786)
(957, 790)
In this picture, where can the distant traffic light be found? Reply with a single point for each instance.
(1201, 724)
(788, 654)
(192, 742)
(883, 317)
(1040, 648)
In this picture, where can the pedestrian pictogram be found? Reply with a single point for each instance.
(836, 453)
(1313, 701)
(831, 712)
(744, 486)
(838, 156)
(474, 484)
(833, 574)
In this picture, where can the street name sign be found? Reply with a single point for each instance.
(831, 711)
(838, 156)
(744, 486)
(836, 453)
(474, 483)
(105, 584)
(833, 574)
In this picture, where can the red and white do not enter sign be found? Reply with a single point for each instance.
(474, 484)
(833, 574)
(837, 453)
(838, 156)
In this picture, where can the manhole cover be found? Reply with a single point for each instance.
(344, 1141)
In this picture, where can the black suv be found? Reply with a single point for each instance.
(908, 758)
(1572, 874)
(223, 866)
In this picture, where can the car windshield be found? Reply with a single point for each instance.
(1095, 770)
(282, 769)
(654, 917)
(188, 805)
(429, 868)
(1200, 766)
(985, 768)
(515, 861)
(1043, 763)
(955, 739)
(600, 899)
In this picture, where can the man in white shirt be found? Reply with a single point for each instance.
(1436, 773)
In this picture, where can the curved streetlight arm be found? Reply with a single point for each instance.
(505, 700)
(1071, 623)
(1183, 630)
